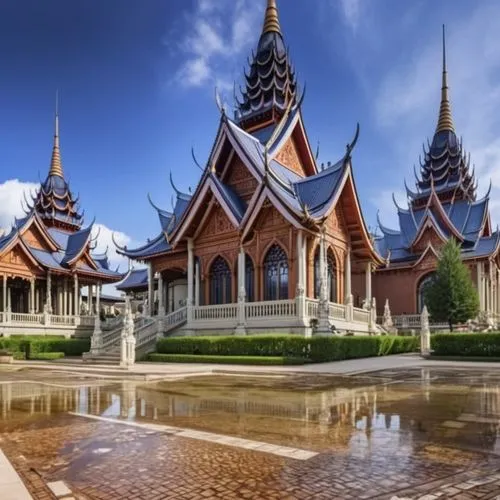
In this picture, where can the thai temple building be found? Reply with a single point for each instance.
(443, 204)
(270, 239)
(47, 258)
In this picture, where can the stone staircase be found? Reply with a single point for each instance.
(146, 333)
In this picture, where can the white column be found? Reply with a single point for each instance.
(300, 296)
(161, 296)
(76, 289)
(32, 296)
(4, 305)
(151, 290)
(65, 297)
(190, 280)
(96, 341)
(241, 328)
(48, 300)
(98, 299)
(348, 291)
(368, 285)
(324, 326)
(480, 289)
(197, 283)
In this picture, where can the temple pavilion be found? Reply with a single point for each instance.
(270, 239)
(443, 204)
(46, 259)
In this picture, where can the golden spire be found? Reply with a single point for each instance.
(271, 21)
(55, 163)
(445, 121)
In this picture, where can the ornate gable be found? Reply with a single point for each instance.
(18, 262)
(216, 223)
(428, 236)
(240, 179)
(33, 238)
(270, 218)
(289, 157)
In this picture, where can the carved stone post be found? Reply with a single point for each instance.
(387, 321)
(96, 342)
(372, 327)
(127, 340)
(241, 327)
(190, 297)
(425, 333)
(32, 296)
(197, 283)
(324, 326)
(161, 303)
(349, 313)
(151, 291)
(300, 295)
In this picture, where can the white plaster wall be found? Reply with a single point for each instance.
(177, 294)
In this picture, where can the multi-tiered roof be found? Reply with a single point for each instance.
(51, 234)
(269, 138)
(443, 203)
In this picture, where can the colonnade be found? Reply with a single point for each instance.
(488, 284)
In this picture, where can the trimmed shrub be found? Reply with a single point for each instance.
(316, 349)
(33, 345)
(231, 360)
(466, 344)
(47, 356)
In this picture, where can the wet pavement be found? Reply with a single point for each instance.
(418, 433)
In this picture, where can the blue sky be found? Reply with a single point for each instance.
(137, 79)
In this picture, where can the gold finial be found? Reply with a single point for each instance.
(55, 163)
(271, 21)
(445, 121)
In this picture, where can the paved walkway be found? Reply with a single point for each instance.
(175, 370)
(11, 485)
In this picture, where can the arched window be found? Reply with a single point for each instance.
(424, 283)
(276, 274)
(220, 282)
(249, 279)
(331, 277)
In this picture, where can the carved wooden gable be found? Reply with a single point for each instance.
(17, 262)
(289, 157)
(428, 263)
(240, 179)
(216, 223)
(33, 238)
(429, 236)
(336, 222)
(270, 218)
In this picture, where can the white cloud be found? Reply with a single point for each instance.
(408, 98)
(11, 200)
(351, 10)
(105, 242)
(219, 32)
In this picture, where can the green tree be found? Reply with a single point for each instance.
(451, 296)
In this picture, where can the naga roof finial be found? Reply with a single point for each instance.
(271, 20)
(445, 121)
(55, 163)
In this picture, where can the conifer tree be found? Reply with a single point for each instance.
(451, 296)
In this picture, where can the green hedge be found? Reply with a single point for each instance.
(466, 344)
(32, 345)
(316, 349)
(228, 360)
(47, 356)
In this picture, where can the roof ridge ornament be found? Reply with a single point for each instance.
(55, 163)
(271, 19)
(445, 121)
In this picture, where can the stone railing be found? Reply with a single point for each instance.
(312, 307)
(361, 315)
(87, 321)
(217, 312)
(410, 322)
(271, 309)
(31, 319)
(112, 323)
(336, 311)
(174, 319)
(111, 338)
(147, 334)
(63, 320)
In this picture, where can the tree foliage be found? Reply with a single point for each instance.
(451, 296)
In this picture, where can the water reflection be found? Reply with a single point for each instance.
(383, 413)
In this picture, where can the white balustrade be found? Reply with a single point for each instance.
(111, 338)
(273, 309)
(312, 307)
(406, 321)
(175, 318)
(112, 323)
(63, 320)
(3, 317)
(336, 311)
(146, 334)
(217, 312)
(361, 315)
(31, 319)
(87, 320)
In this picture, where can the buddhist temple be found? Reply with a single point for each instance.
(270, 239)
(46, 259)
(442, 204)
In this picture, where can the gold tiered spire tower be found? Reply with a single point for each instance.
(55, 163)
(271, 21)
(445, 121)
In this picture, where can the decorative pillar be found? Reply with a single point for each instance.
(197, 283)
(76, 290)
(151, 290)
(480, 289)
(241, 327)
(4, 295)
(32, 296)
(190, 280)
(65, 297)
(425, 333)
(368, 283)
(300, 295)
(161, 296)
(348, 291)
(90, 300)
(96, 341)
(324, 326)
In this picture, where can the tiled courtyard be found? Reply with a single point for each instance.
(407, 434)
